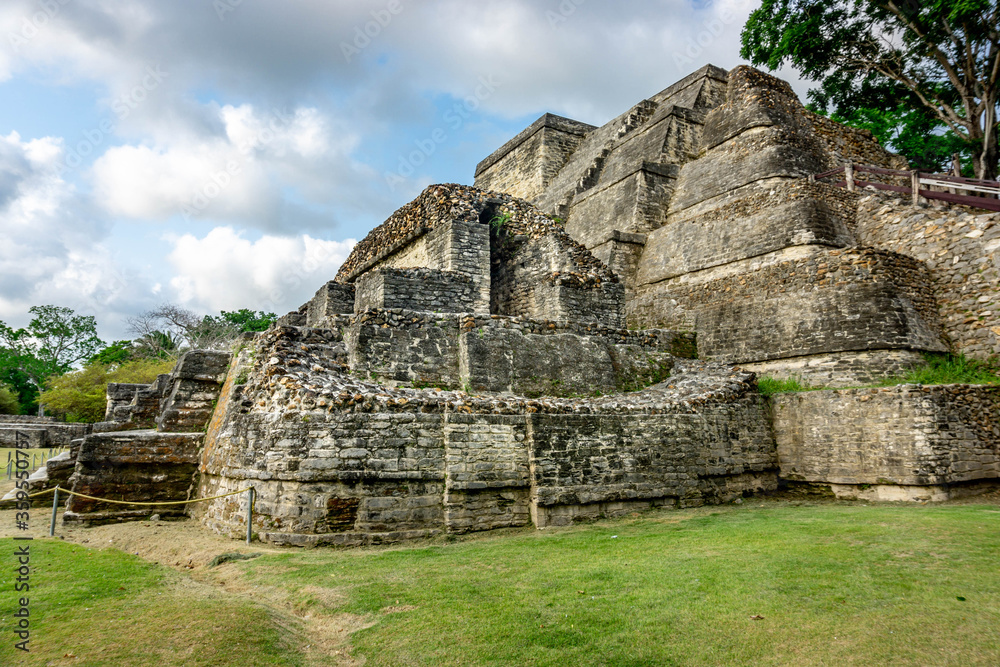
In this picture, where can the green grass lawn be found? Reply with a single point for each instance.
(765, 583)
(104, 607)
(835, 584)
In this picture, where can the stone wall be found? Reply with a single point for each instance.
(841, 369)
(636, 203)
(893, 443)
(37, 434)
(822, 302)
(487, 485)
(524, 165)
(189, 398)
(134, 406)
(584, 466)
(416, 289)
(848, 144)
(140, 466)
(528, 357)
(120, 395)
(405, 347)
(961, 249)
(759, 133)
(330, 300)
(536, 278)
(745, 223)
(340, 460)
(458, 247)
(24, 436)
(26, 419)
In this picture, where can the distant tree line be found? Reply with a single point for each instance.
(58, 364)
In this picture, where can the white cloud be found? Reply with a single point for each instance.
(304, 133)
(224, 271)
(239, 176)
(209, 178)
(53, 249)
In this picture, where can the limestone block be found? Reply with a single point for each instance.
(331, 299)
(907, 435)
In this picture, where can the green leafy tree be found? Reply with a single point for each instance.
(115, 354)
(82, 395)
(9, 403)
(157, 345)
(54, 341)
(247, 320)
(184, 327)
(939, 56)
(18, 382)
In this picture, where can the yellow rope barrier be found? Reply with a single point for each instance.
(126, 502)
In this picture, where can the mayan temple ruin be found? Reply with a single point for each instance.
(579, 335)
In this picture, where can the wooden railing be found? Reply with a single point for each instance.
(989, 191)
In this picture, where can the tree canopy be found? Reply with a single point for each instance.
(938, 57)
(249, 320)
(9, 403)
(53, 342)
(82, 395)
(169, 326)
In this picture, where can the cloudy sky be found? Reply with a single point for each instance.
(227, 154)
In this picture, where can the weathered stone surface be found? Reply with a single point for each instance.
(116, 461)
(331, 299)
(908, 435)
(525, 164)
(762, 221)
(135, 406)
(416, 289)
(961, 249)
(193, 387)
(28, 431)
(412, 349)
(824, 302)
(402, 462)
(140, 466)
(841, 369)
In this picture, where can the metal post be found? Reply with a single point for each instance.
(55, 506)
(250, 494)
(915, 186)
(849, 176)
(9, 468)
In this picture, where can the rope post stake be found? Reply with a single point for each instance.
(849, 176)
(55, 506)
(915, 186)
(250, 494)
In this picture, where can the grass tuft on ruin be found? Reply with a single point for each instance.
(950, 369)
(769, 386)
